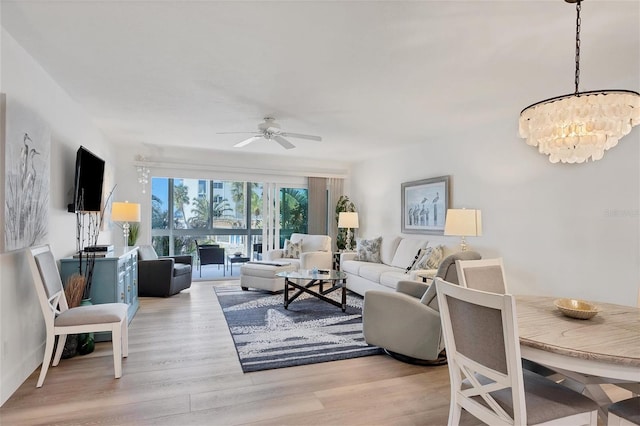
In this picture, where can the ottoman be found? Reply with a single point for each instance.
(262, 275)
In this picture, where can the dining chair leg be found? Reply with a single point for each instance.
(62, 340)
(455, 411)
(48, 351)
(125, 338)
(116, 340)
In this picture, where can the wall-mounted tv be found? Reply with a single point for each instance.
(87, 192)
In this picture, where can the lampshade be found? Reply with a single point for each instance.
(463, 222)
(573, 128)
(125, 212)
(348, 220)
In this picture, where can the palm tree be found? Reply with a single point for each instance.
(200, 211)
(293, 211)
(181, 198)
(237, 193)
(159, 216)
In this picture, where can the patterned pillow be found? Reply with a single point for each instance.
(368, 250)
(431, 258)
(292, 250)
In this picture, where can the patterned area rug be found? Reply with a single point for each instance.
(268, 336)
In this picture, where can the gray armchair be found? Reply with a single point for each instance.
(406, 324)
(162, 276)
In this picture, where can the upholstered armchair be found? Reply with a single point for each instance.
(315, 251)
(162, 276)
(406, 323)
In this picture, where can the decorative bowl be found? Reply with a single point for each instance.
(237, 254)
(575, 308)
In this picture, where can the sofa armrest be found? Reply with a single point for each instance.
(180, 259)
(316, 259)
(412, 288)
(347, 255)
(273, 254)
(400, 323)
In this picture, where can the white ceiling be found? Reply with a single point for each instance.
(366, 76)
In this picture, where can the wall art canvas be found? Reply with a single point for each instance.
(27, 142)
(424, 205)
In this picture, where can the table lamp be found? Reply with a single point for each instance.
(125, 212)
(463, 223)
(348, 221)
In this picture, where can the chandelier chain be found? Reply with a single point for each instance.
(578, 22)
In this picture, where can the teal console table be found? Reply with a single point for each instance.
(115, 279)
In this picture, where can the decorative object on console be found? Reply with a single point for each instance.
(463, 223)
(424, 205)
(575, 127)
(125, 212)
(348, 221)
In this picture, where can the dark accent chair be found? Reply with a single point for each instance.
(257, 251)
(210, 254)
(162, 276)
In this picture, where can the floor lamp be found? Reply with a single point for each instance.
(125, 212)
(463, 223)
(348, 221)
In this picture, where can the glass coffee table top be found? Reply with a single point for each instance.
(309, 274)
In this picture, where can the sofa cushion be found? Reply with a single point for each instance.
(391, 277)
(181, 269)
(372, 271)
(388, 248)
(292, 250)
(368, 250)
(407, 250)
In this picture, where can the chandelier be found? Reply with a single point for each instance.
(573, 128)
(143, 173)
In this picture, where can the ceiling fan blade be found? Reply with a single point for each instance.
(247, 141)
(301, 136)
(285, 143)
(236, 133)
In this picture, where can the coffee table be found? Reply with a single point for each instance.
(231, 259)
(335, 279)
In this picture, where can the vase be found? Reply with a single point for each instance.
(70, 346)
(86, 341)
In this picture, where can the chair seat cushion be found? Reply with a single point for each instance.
(181, 269)
(629, 409)
(92, 314)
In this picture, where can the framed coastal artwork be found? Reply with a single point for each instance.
(25, 152)
(424, 205)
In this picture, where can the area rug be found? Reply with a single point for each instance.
(310, 331)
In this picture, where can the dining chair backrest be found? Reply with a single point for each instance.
(482, 274)
(48, 283)
(481, 337)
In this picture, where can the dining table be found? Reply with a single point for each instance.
(604, 349)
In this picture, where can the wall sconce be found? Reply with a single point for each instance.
(463, 223)
(125, 212)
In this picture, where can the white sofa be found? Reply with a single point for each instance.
(316, 252)
(396, 255)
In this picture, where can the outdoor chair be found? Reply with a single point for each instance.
(210, 254)
(485, 368)
(60, 320)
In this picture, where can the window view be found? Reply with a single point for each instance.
(188, 210)
(294, 208)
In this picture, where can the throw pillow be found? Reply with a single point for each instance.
(368, 250)
(292, 250)
(431, 258)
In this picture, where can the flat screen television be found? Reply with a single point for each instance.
(89, 175)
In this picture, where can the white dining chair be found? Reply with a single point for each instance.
(487, 380)
(482, 274)
(60, 320)
(624, 413)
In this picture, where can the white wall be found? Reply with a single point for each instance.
(563, 230)
(21, 324)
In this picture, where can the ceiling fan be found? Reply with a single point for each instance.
(270, 130)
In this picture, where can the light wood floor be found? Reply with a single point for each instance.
(183, 369)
